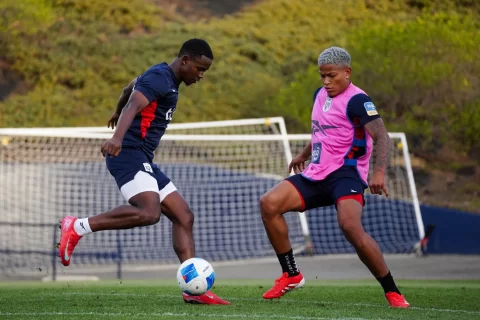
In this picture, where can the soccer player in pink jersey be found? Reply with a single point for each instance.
(344, 124)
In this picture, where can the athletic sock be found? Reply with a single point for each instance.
(287, 261)
(82, 227)
(388, 284)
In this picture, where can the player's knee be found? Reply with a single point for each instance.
(268, 206)
(149, 209)
(352, 230)
(181, 216)
(149, 217)
(187, 219)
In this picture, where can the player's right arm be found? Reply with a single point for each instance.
(298, 163)
(136, 103)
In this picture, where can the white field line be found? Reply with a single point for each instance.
(308, 302)
(166, 315)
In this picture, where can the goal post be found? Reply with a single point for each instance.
(411, 180)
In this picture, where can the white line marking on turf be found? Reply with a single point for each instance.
(282, 299)
(166, 314)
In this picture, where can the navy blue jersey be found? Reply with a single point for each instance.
(159, 85)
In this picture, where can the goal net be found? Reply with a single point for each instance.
(394, 222)
(221, 168)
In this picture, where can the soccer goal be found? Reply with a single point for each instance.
(221, 168)
(394, 222)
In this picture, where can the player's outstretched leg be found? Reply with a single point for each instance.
(349, 219)
(282, 198)
(176, 209)
(143, 211)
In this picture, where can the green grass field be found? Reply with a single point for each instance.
(159, 299)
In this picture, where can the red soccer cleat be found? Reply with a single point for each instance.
(68, 240)
(207, 298)
(396, 300)
(283, 285)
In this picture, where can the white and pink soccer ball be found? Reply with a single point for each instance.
(195, 276)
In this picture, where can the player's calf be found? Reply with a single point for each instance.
(176, 209)
(182, 238)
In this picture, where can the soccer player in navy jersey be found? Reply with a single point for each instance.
(144, 110)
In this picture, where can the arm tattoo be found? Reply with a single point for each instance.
(377, 130)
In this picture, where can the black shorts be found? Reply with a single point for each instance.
(343, 183)
(135, 173)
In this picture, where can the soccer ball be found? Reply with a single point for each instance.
(195, 276)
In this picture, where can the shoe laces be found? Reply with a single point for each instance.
(395, 296)
(283, 276)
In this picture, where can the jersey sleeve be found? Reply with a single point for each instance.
(361, 109)
(153, 85)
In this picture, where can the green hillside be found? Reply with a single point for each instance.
(64, 63)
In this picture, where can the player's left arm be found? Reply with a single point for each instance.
(362, 108)
(122, 102)
(376, 129)
(150, 86)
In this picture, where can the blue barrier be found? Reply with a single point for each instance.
(228, 223)
(456, 232)
(392, 223)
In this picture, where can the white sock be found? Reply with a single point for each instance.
(82, 227)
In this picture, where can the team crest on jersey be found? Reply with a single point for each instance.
(148, 167)
(327, 104)
(370, 107)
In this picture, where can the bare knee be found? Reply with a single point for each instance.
(149, 214)
(148, 208)
(353, 231)
(180, 215)
(186, 219)
(268, 206)
(149, 217)
(280, 199)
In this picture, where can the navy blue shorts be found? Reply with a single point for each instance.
(135, 173)
(343, 183)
